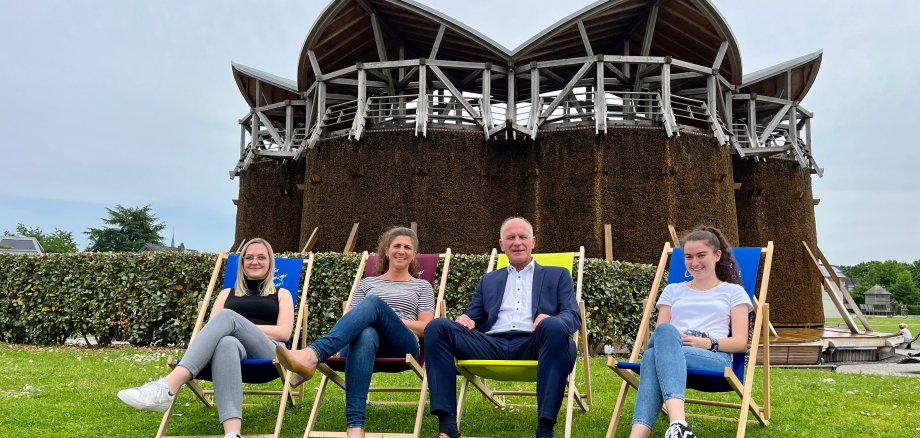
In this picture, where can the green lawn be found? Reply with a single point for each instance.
(886, 324)
(64, 391)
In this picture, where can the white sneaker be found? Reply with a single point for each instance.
(679, 430)
(152, 396)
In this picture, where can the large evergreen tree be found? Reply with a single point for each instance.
(126, 230)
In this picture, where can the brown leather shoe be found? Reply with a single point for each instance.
(287, 360)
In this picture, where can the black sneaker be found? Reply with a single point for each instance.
(678, 430)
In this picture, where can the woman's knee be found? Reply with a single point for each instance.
(665, 331)
(367, 337)
(229, 345)
(226, 314)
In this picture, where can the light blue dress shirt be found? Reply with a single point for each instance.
(516, 311)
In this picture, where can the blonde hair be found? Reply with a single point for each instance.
(268, 284)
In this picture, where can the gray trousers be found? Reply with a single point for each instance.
(223, 342)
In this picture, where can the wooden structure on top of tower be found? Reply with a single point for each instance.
(380, 64)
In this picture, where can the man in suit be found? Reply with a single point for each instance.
(524, 311)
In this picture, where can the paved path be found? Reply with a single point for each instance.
(888, 366)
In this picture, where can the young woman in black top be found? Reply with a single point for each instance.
(246, 322)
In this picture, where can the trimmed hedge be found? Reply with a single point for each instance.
(151, 298)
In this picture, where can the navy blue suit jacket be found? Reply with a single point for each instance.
(553, 294)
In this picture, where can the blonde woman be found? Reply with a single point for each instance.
(246, 322)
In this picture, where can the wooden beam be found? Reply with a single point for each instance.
(421, 110)
(487, 122)
(649, 30)
(600, 99)
(584, 37)
(535, 101)
(720, 56)
(621, 75)
(437, 42)
(457, 93)
(777, 118)
(831, 290)
(565, 91)
(608, 242)
(311, 241)
(511, 111)
(352, 239)
(843, 289)
(288, 127)
(316, 70)
(675, 241)
(413, 226)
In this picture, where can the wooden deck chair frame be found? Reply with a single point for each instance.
(300, 331)
(477, 372)
(411, 364)
(760, 330)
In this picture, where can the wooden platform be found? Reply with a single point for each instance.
(809, 346)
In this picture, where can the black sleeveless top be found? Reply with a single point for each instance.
(259, 310)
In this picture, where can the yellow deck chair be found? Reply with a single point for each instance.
(331, 368)
(255, 371)
(476, 372)
(740, 377)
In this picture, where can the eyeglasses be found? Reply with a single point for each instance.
(260, 258)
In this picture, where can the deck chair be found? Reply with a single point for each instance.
(476, 372)
(331, 367)
(740, 377)
(255, 371)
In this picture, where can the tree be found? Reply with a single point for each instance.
(59, 241)
(127, 231)
(896, 277)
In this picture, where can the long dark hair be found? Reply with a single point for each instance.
(383, 262)
(726, 267)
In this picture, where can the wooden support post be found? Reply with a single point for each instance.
(242, 140)
(600, 100)
(421, 109)
(832, 290)
(753, 138)
(413, 226)
(288, 126)
(666, 99)
(675, 241)
(352, 239)
(311, 241)
(608, 242)
(511, 111)
(535, 105)
(486, 110)
(843, 290)
(712, 84)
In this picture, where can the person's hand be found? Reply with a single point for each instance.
(538, 320)
(465, 321)
(695, 341)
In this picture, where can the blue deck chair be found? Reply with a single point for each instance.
(740, 377)
(331, 367)
(477, 372)
(255, 371)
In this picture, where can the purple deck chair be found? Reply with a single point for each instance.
(428, 270)
(738, 378)
(287, 275)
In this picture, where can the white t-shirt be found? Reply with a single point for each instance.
(906, 333)
(706, 311)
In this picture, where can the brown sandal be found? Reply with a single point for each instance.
(287, 360)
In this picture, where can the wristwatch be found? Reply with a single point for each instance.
(715, 344)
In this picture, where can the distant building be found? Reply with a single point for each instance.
(878, 300)
(156, 247)
(20, 245)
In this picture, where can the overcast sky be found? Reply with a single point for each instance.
(133, 103)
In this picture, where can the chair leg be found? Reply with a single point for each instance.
(570, 405)
(420, 412)
(165, 421)
(618, 409)
(461, 400)
(285, 393)
(199, 393)
(314, 413)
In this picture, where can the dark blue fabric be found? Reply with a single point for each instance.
(705, 380)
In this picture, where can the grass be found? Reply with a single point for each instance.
(886, 323)
(70, 391)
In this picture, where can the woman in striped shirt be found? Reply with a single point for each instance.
(388, 314)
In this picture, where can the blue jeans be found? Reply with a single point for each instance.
(663, 374)
(369, 328)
